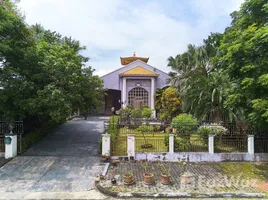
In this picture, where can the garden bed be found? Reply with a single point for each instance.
(208, 178)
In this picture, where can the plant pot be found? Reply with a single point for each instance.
(186, 179)
(105, 158)
(148, 178)
(128, 180)
(165, 179)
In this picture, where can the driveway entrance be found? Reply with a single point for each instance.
(65, 160)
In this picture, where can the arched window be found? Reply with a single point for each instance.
(138, 97)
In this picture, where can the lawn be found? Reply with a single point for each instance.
(156, 141)
(154, 138)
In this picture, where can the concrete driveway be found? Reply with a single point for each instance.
(64, 161)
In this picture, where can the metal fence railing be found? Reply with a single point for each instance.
(230, 143)
(261, 143)
(152, 144)
(2, 144)
(192, 143)
(153, 137)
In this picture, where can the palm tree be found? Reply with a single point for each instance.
(202, 88)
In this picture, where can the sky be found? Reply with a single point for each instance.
(111, 29)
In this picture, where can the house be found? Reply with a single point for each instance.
(134, 84)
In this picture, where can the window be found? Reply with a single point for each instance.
(138, 97)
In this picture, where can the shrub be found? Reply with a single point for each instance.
(112, 130)
(218, 130)
(124, 114)
(184, 124)
(180, 144)
(204, 130)
(147, 112)
(136, 113)
(29, 139)
(100, 146)
(214, 129)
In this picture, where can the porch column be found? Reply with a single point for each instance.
(152, 96)
(124, 92)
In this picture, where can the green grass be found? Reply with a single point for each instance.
(254, 170)
(197, 144)
(156, 139)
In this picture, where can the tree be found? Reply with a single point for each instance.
(202, 87)
(243, 56)
(43, 74)
(169, 104)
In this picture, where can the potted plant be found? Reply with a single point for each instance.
(105, 157)
(148, 177)
(165, 174)
(128, 178)
(186, 176)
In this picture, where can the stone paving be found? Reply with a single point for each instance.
(66, 160)
(3, 161)
(206, 178)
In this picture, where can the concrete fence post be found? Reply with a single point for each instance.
(11, 146)
(251, 144)
(131, 145)
(106, 145)
(211, 144)
(171, 143)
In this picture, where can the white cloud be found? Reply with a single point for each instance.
(117, 26)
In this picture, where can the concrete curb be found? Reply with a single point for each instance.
(177, 194)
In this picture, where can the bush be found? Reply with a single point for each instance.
(204, 131)
(218, 130)
(136, 113)
(29, 139)
(112, 130)
(100, 146)
(147, 112)
(214, 129)
(124, 114)
(180, 144)
(184, 124)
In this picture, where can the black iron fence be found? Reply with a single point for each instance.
(230, 143)
(261, 143)
(2, 144)
(153, 136)
(191, 143)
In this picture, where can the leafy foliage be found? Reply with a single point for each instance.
(243, 54)
(147, 112)
(136, 113)
(184, 124)
(42, 74)
(227, 76)
(112, 130)
(168, 103)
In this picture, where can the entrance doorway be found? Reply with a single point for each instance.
(138, 97)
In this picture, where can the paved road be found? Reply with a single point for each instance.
(64, 161)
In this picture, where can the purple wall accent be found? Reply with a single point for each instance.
(114, 81)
